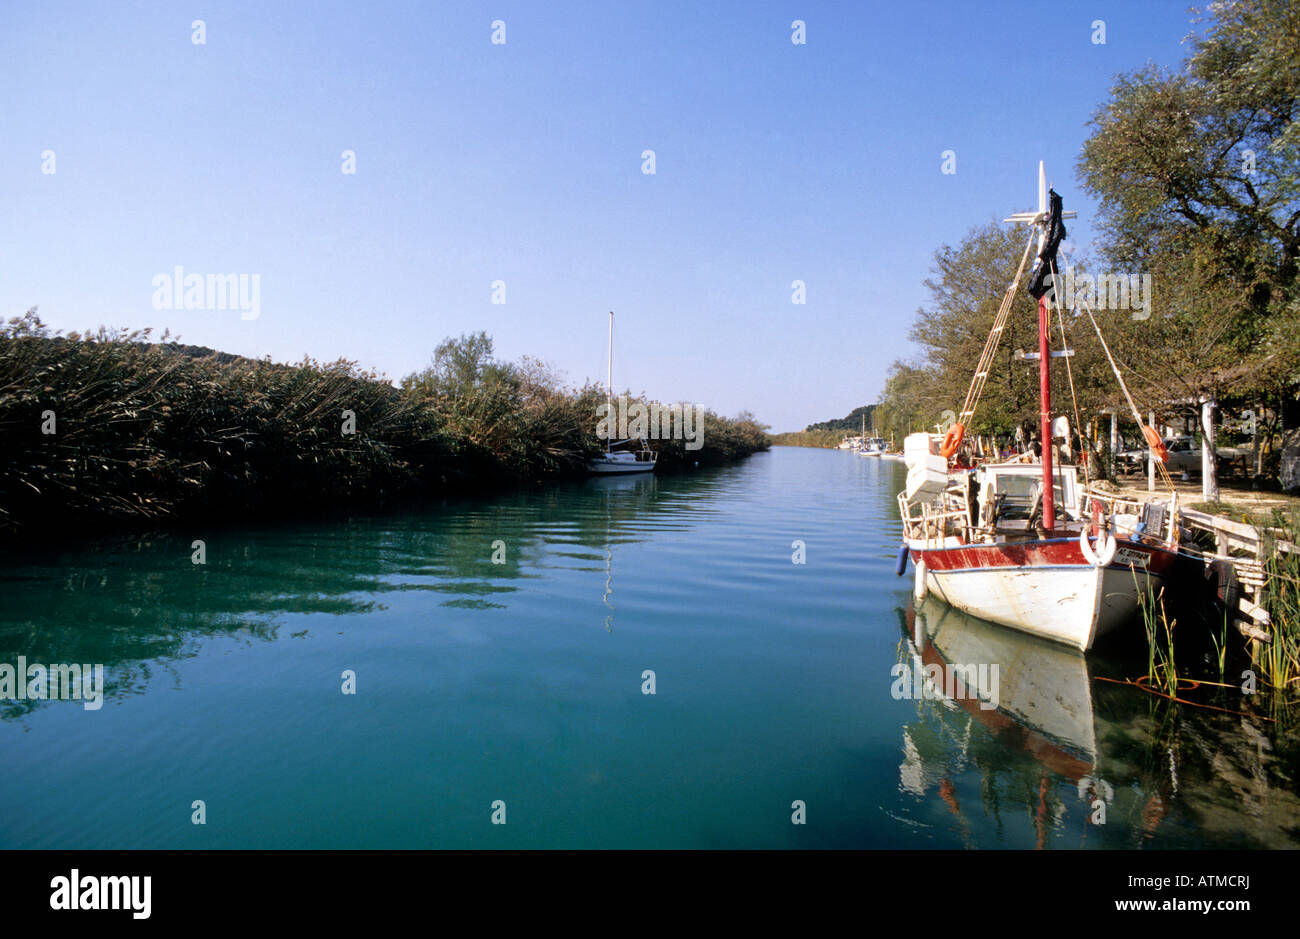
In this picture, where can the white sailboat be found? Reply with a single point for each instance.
(619, 461)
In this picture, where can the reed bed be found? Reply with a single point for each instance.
(111, 428)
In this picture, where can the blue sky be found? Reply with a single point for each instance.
(522, 163)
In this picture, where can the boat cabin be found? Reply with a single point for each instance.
(1008, 495)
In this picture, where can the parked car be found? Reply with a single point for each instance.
(1184, 456)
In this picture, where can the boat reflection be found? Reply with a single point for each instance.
(1042, 703)
(1002, 707)
(1045, 751)
(621, 491)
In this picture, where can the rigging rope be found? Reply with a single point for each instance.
(1074, 401)
(1086, 306)
(991, 344)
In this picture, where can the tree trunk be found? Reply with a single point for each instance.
(1114, 441)
(1209, 458)
(1256, 451)
(1290, 468)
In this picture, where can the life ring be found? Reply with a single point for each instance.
(1155, 443)
(1106, 541)
(952, 440)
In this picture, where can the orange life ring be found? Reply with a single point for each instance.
(952, 440)
(1155, 443)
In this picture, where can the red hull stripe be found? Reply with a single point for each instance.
(1054, 552)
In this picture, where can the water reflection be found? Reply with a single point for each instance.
(138, 603)
(1076, 761)
(631, 493)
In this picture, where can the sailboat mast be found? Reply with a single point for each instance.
(1045, 365)
(609, 397)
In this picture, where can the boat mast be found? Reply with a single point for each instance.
(609, 397)
(1045, 368)
(1042, 220)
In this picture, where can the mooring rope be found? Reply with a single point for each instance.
(1084, 304)
(1069, 372)
(1209, 707)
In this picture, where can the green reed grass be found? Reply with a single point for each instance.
(148, 431)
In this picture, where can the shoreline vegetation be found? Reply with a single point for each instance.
(829, 433)
(110, 429)
(809, 438)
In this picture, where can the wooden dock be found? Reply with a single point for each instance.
(1243, 548)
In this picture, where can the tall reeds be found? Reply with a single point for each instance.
(1278, 660)
(113, 427)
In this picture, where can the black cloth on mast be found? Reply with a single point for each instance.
(1040, 278)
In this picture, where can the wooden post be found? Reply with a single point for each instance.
(1209, 468)
(1114, 440)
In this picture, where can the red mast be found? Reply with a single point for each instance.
(1050, 233)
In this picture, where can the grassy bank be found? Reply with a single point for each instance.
(110, 429)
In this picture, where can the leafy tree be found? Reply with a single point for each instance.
(1197, 171)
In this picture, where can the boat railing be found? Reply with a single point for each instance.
(931, 522)
(1153, 519)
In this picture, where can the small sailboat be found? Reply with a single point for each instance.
(634, 456)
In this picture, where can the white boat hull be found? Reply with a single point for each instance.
(1042, 587)
(1075, 606)
(619, 467)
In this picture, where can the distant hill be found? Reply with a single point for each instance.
(828, 433)
(852, 422)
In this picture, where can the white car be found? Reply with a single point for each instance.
(1184, 456)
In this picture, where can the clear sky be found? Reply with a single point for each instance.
(522, 162)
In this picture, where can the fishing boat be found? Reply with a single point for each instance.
(1023, 543)
(634, 456)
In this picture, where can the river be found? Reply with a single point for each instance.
(477, 674)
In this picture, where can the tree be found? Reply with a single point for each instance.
(967, 288)
(1197, 171)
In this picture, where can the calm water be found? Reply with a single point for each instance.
(523, 682)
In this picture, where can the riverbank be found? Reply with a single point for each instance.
(809, 438)
(114, 430)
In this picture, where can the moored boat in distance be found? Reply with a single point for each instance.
(623, 461)
(611, 462)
